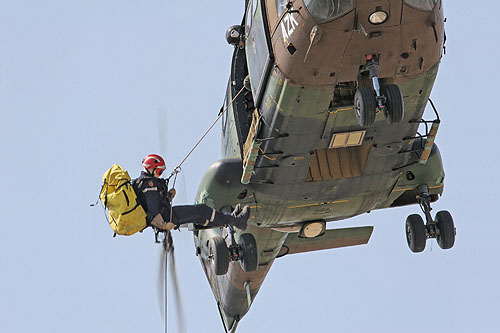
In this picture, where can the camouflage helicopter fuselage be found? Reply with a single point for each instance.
(292, 147)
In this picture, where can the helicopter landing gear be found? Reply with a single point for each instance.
(365, 106)
(245, 251)
(446, 228)
(393, 108)
(387, 98)
(442, 227)
(249, 259)
(415, 233)
(218, 255)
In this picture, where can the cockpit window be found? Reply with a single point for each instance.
(281, 6)
(421, 4)
(326, 10)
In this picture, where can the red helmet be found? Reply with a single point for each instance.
(156, 162)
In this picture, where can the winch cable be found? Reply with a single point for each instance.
(178, 169)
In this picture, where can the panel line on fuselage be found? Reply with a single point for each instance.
(319, 204)
(411, 188)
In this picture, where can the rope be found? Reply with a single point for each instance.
(172, 200)
(178, 168)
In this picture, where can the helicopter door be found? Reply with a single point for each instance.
(258, 48)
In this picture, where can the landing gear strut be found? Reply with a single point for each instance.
(387, 98)
(245, 251)
(442, 227)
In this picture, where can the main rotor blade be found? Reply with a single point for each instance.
(162, 121)
(180, 185)
(181, 196)
(181, 320)
(160, 283)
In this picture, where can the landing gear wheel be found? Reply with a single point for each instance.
(250, 258)
(416, 235)
(365, 106)
(446, 230)
(219, 255)
(393, 109)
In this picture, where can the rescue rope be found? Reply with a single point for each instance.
(178, 169)
(172, 199)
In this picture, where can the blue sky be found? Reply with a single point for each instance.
(80, 83)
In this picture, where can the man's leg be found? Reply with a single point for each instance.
(196, 214)
(203, 215)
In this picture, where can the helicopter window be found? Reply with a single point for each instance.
(421, 4)
(248, 20)
(325, 10)
(281, 6)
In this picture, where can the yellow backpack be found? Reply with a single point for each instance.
(126, 215)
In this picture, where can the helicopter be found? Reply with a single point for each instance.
(320, 123)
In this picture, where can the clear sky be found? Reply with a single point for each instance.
(80, 83)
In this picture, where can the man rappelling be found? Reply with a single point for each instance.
(146, 201)
(155, 197)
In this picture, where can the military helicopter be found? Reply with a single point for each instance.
(324, 104)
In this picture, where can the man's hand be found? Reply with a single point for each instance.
(169, 226)
(160, 224)
(171, 194)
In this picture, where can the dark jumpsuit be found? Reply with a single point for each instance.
(152, 194)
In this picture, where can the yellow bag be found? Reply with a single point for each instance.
(126, 215)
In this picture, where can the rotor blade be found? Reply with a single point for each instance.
(162, 121)
(181, 196)
(160, 283)
(181, 320)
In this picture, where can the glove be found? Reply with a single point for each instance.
(171, 194)
(160, 224)
(169, 226)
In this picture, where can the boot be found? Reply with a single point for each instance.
(239, 220)
(237, 210)
(241, 217)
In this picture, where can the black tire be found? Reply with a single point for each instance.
(394, 106)
(365, 106)
(250, 258)
(446, 230)
(416, 235)
(219, 255)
